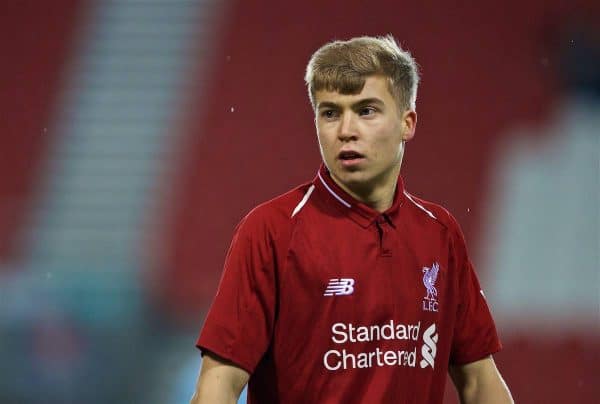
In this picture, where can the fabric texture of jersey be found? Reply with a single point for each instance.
(325, 300)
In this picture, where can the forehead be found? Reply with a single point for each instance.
(375, 87)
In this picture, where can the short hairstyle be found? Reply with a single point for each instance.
(343, 66)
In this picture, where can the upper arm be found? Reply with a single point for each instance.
(475, 334)
(220, 381)
(241, 318)
(480, 382)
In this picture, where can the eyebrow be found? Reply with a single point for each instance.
(357, 104)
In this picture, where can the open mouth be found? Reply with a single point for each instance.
(350, 159)
(350, 155)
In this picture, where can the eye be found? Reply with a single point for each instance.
(329, 114)
(366, 111)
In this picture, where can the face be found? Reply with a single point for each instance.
(362, 136)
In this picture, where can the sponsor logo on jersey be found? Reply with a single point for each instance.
(430, 275)
(359, 346)
(429, 348)
(339, 287)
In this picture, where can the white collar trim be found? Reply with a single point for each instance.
(336, 196)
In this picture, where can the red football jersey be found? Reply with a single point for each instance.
(325, 300)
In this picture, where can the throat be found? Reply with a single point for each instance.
(378, 198)
(380, 204)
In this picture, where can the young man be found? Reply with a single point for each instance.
(348, 289)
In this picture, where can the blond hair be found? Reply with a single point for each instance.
(343, 66)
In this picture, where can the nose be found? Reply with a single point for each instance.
(347, 129)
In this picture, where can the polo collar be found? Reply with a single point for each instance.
(356, 210)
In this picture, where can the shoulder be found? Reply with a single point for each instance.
(434, 212)
(446, 222)
(276, 215)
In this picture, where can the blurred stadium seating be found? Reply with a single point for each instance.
(135, 135)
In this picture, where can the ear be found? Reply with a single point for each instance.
(409, 124)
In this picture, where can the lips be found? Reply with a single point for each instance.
(349, 155)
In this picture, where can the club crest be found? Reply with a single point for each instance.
(430, 275)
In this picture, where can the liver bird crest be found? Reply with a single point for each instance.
(429, 278)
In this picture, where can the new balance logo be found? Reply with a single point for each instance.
(339, 287)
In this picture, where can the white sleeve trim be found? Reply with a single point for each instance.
(419, 205)
(304, 200)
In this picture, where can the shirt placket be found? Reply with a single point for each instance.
(383, 231)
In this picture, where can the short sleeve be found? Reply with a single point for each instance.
(239, 324)
(475, 335)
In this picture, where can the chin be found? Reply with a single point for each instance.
(361, 177)
(353, 178)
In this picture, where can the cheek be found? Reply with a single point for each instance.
(325, 144)
(388, 144)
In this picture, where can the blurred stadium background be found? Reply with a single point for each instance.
(135, 134)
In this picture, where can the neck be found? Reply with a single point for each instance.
(379, 196)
